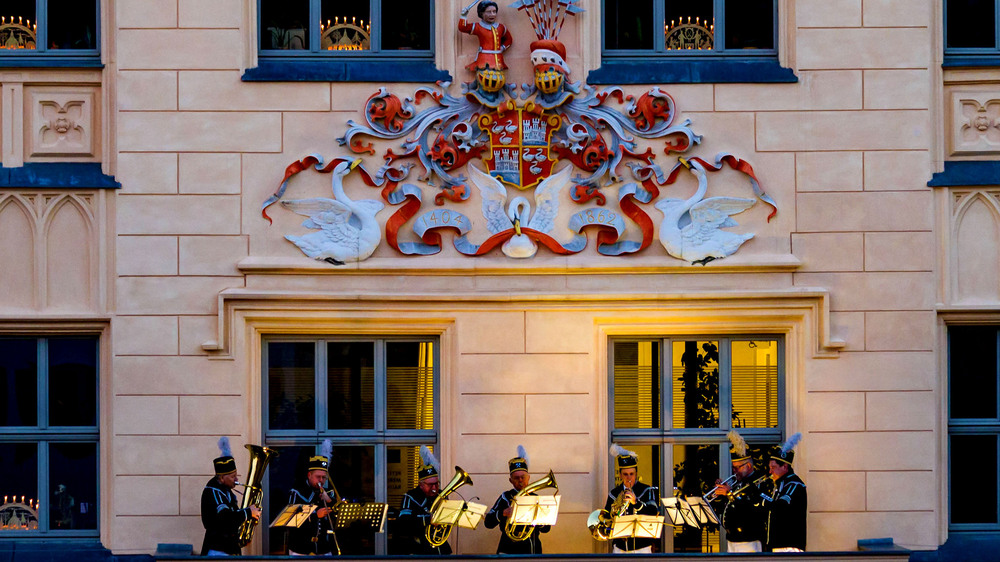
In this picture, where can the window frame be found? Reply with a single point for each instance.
(45, 57)
(666, 436)
(971, 426)
(971, 56)
(43, 433)
(380, 438)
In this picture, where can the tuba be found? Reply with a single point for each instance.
(602, 522)
(253, 492)
(437, 535)
(520, 533)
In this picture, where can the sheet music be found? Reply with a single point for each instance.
(293, 515)
(535, 510)
(638, 526)
(458, 512)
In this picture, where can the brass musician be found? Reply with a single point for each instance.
(315, 537)
(498, 515)
(220, 512)
(415, 510)
(631, 497)
(744, 515)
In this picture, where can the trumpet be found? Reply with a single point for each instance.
(728, 482)
(754, 483)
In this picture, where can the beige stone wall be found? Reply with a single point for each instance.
(846, 270)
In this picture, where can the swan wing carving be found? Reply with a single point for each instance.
(494, 196)
(547, 200)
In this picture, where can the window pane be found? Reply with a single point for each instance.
(637, 384)
(291, 385)
(410, 385)
(346, 26)
(73, 486)
(755, 383)
(628, 24)
(18, 382)
(73, 381)
(689, 24)
(352, 470)
(973, 477)
(19, 24)
(72, 24)
(286, 470)
(284, 24)
(971, 24)
(649, 464)
(749, 24)
(19, 487)
(406, 25)
(351, 385)
(696, 468)
(695, 384)
(972, 371)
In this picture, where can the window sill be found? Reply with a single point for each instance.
(50, 62)
(958, 173)
(970, 61)
(345, 71)
(690, 72)
(72, 175)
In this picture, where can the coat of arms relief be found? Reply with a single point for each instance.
(549, 162)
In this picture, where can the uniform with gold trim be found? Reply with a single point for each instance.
(788, 503)
(221, 514)
(743, 515)
(495, 516)
(312, 537)
(647, 502)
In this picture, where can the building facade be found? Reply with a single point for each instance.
(162, 285)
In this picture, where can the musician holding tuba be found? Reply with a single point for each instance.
(631, 497)
(313, 538)
(415, 509)
(497, 516)
(743, 515)
(220, 512)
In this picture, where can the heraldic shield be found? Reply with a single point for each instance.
(519, 153)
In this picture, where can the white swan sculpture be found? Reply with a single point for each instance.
(518, 213)
(691, 229)
(348, 231)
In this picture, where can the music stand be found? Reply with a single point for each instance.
(293, 515)
(679, 512)
(637, 527)
(372, 515)
(458, 512)
(535, 510)
(702, 510)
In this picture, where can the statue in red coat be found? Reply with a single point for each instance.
(494, 39)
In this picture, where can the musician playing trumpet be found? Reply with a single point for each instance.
(314, 537)
(220, 512)
(744, 515)
(498, 515)
(631, 497)
(414, 511)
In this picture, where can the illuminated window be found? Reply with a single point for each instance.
(970, 32)
(973, 428)
(49, 436)
(38, 32)
(675, 399)
(374, 398)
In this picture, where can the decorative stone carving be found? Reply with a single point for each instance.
(63, 123)
(975, 123)
(974, 247)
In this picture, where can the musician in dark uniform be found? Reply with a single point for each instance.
(787, 504)
(498, 515)
(640, 499)
(220, 512)
(414, 510)
(743, 515)
(315, 536)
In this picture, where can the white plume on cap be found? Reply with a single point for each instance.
(617, 451)
(739, 444)
(428, 457)
(791, 443)
(224, 447)
(326, 449)
(522, 453)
